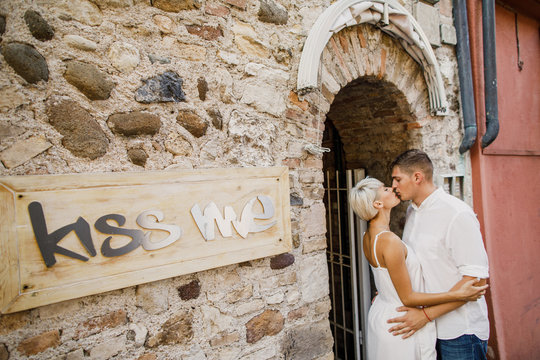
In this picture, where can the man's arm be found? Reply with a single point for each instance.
(414, 318)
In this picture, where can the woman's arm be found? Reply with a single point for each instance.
(393, 254)
(414, 319)
(435, 311)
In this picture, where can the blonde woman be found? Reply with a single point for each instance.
(398, 279)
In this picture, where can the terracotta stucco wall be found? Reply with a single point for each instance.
(505, 177)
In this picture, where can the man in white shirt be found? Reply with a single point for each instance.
(445, 234)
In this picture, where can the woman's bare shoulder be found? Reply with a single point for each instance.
(390, 241)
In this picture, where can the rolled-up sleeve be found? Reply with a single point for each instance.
(464, 240)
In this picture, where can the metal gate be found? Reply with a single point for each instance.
(350, 288)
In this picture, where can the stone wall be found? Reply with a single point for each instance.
(133, 85)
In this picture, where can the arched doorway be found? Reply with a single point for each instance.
(367, 126)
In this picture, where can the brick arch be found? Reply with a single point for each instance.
(383, 16)
(363, 51)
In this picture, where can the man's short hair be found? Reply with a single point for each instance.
(414, 160)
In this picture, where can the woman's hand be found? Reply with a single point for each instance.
(469, 292)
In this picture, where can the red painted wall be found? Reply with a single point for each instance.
(506, 182)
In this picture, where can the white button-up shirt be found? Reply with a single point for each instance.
(445, 234)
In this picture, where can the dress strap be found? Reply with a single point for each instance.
(375, 247)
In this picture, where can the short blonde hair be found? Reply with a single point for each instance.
(362, 196)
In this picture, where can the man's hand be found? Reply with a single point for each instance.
(413, 320)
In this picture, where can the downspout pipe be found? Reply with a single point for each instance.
(465, 75)
(490, 73)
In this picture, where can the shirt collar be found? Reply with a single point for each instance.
(429, 200)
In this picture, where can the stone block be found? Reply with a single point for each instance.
(271, 12)
(281, 261)
(59, 310)
(190, 291)
(314, 245)
(4, 353)
(250, 307)
(214, 322)
(307, 341)
(75, 355)
(177, 330)
(243, 293)
(10, 98)
(26, 61)
(176, 5)
(79, 42)
(39, 343)
(192, 122)
(293, 296)
(137, 333)
(137, 156)
(448, 34)
(275, 299)
(313, 163)
(216, 117)
(166, 87)
(268, 323)
(225, 339)
(24, 150)
(83, 11)
(204, 31)
(164, 23)
(266, 353)
(124, 56)
(191, 52)
(429, 20)
(107, 350)
(178, 145)
(92, 82)
(296, 200)
(134, 123)
(117, 4)
(272, 282)
(293, 98)
(313, 221)
(445, 8)
(202, 87)
(150, 356)
(328, 356)
(313, 277)
(247, 41)
(297, 313)
(241, 4)
(323, 307)
(38, 26)
(265, 98)
(217, 10)
(2, 25)
(12, 322)
(229, 57)
(100, 323)
(152, 298)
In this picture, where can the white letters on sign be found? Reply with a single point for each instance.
(205, 221)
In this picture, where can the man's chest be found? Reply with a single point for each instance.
(426, 234)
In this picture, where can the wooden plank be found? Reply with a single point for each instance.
(9, 282)
(66, 199)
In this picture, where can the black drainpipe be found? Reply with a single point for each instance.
(490, 72)
(465, 75)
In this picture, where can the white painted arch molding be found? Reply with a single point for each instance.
(391, 18)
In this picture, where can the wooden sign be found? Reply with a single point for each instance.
(68, 236)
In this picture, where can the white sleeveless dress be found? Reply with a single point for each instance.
(382, 345)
